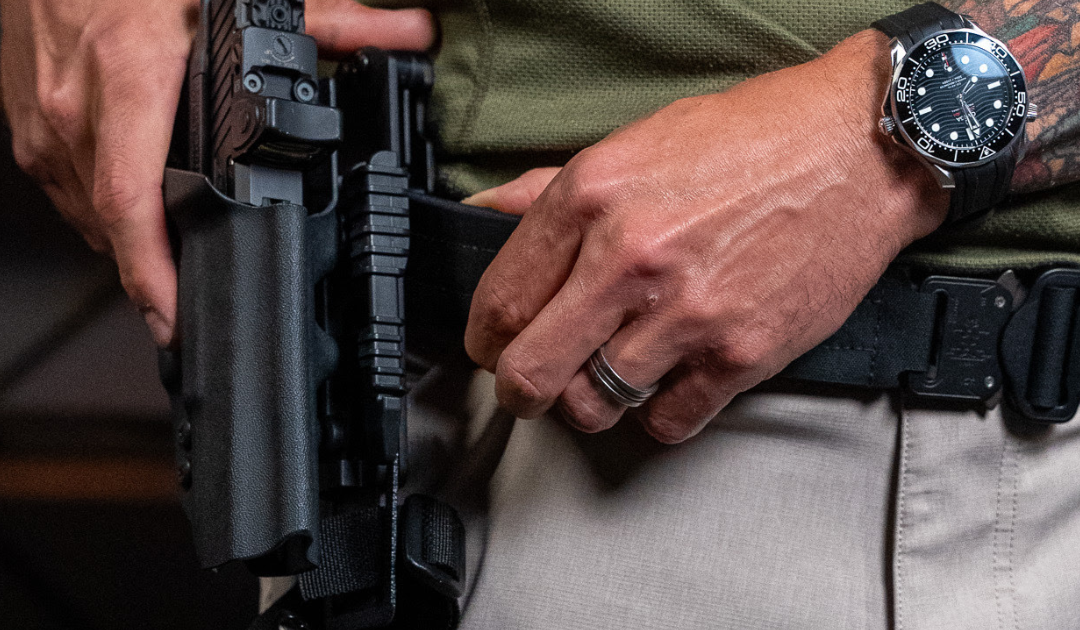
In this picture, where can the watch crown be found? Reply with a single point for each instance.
(1032, 111)
(887, 125)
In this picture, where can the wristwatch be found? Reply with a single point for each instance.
(958, 100)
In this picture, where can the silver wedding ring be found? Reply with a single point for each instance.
(616, 386)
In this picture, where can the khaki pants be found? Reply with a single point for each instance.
(790, 510)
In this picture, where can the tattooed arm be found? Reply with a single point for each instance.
(1044, 35)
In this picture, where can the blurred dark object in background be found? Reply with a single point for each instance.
(91, 531)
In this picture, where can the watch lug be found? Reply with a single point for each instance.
(944, 177)
(970, 24)
(897, 52)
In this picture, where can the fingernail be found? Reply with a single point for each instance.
(159, 326)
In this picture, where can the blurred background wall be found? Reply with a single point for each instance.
(91, 531)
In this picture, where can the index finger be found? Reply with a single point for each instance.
(132, 143)
(342, 27)
(526, 274)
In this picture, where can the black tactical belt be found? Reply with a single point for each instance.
(942, 339)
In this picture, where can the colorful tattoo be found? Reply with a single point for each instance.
(1044, 35)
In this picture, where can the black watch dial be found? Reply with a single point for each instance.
(960, 97)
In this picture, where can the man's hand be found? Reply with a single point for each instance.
(90, 88)
(707, 245)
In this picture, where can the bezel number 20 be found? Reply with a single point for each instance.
(901, 89)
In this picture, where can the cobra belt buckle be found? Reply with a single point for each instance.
(993, 337)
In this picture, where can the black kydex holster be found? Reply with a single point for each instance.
(245, 380)
(290, 225)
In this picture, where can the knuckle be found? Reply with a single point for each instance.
(478, 349)
(501, 313)
(688, 104)
(109, 39)
(518, 390)
(666, 429)
(137, 283)
(641, 255)
(28, 157)
(698, 313)
(112, 203)
(114, 197)
(99, 244)
(59, 108)
(750, 354)
(583, 413)
(594, 180)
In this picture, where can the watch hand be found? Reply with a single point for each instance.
(969, 115)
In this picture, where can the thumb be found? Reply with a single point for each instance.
(516, 196)
(341, 27)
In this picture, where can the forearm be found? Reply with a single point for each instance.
(1044, 35)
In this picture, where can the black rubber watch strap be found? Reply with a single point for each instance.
(981, 187)
(913, 25)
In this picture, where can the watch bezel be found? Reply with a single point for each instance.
(903, 133)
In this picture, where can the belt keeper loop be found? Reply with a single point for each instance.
(1046, 380)
(1040, 349)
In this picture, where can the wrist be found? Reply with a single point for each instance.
(909, 199)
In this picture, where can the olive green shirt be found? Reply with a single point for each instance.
(526, 83)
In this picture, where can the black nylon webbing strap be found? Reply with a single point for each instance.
(441, 540)
(453, 245)
(433, 562)
(353, 545)
(1050, 351)
(432, 544)
(890, 333)
(351, 550)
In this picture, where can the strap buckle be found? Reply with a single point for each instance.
(1040, 349)
(964, 361)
